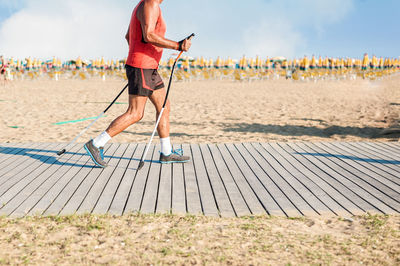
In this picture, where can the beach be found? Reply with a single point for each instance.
(212, 111)
(203, 112)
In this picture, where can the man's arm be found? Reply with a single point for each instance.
(127, 35)
(148, 16)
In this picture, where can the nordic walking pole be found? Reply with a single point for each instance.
(141, 164)
(91, 124)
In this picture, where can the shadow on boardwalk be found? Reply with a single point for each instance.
(293, 130)
(39, 154)
(352, 158)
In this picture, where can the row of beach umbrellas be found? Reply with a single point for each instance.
(188, 69)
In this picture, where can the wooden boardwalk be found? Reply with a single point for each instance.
(282, 179)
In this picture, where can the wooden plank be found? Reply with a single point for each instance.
(10, 167)
(193, 202)
(121, 197)
(345, 197)
(164, 196)
(222, 199)
(363, 178)
(94, 194)
(18, 150)
(307, 191)
(382, 148)
(139, 184)
(79, 193)
(251, 176)
(10, 150)
(287, 206)
(321, 189)
(64, 175)
(368, 202)
(178, 187)
(20, 177)
(148, 204)
(206, 190)
(389, 147)
(236, 197)
(111, 188)
(385, 176)
(32, 193)
(75, 178)
(385, 161)
(284, 185)
(246, 190)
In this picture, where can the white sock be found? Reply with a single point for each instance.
(101, 140)
(166, 147)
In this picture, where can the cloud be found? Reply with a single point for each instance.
(273, 38)
(93, 28)
(66, 29)
(281, 29)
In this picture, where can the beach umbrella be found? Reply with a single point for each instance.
(218, 62)
(325, 63)
(320, 62)
(210, 63)
(313, 63)
(29, 63)
(278, 58)
(365, 62)
(381, 63)
(78, 62)
(267, 64)
(349, 63)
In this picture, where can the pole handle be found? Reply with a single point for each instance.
(190, 36)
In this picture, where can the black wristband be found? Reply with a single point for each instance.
(180, 45)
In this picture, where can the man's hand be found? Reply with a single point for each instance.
(185, 44)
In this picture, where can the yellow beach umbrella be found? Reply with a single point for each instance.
(78, 62)
(29, 62)
(313, 63)
(365, 62)
(320, 62)
(218, 62)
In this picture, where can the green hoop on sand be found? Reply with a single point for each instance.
(74, 121)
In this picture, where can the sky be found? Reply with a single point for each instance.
(267, 28)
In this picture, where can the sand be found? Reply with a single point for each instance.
(213, 112)
(207, 111)
(175, 240)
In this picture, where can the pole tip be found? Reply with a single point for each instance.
(141, 164)
(61, 152)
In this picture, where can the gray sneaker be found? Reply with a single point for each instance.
(96, 154)
(175, 157)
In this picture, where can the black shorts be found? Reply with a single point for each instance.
(143, 82)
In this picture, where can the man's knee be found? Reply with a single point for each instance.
(135, 116)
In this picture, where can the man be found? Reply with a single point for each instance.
(146, 41)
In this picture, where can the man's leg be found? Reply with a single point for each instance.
(157, 98)
(131, 116)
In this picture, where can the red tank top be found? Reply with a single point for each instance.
(141, 54)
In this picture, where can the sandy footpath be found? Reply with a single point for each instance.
(207, 111)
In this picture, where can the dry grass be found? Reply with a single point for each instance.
(167, 239)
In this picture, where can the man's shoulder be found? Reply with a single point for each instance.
(154, 3)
